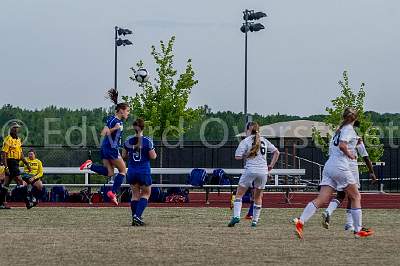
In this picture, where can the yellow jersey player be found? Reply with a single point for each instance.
(33, 176)
(12, 154)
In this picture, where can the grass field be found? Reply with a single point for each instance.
(188, 236)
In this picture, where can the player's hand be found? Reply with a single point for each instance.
(117, 126)
(29, 168)
(352, 157)
(105, 132)
(31, 179)
(270, 168)
(373, 177)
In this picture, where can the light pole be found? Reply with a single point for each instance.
(119, 42)
(249, 15)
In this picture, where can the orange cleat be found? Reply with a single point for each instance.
(299, 227)
(364, 232)
(248, 217)
(86, 165)
(112, 197)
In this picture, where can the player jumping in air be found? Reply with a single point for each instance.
(109, 151)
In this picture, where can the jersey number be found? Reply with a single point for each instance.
(263, 150)
(336, 139)
(137, 155)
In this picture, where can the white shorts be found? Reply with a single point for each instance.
(356, 174)
(337, 176)
(259, 179)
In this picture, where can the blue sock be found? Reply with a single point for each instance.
(118, 179)
(141, 205)
(134, 204)
(101, 170)
(250, 213)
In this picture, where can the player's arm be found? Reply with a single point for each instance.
(241, 151)
(25, 162)
(40, 170)
(152, 151)
(4, 150)
(364, 154)
(344, 148)
(275, 154)
(125, 153)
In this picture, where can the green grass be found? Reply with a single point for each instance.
(189, 236)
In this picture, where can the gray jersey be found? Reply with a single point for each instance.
(258, 163)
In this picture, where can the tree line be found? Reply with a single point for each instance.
(63, 126)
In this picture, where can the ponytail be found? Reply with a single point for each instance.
(349, 115)
(255, 147)
(138, 124)
(112, 94)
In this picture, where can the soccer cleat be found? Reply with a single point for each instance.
(86, 165)
(298, 227)
(136, 221)
(349, 227)
(253, 224)
(4, 207)
(29, 205)
(364, 232)
(248, 217)
(112, 197)
(234, 221)
(325, 220)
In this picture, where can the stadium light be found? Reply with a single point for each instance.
(119, 42)
(249, 15)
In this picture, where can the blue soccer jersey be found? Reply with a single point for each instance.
(113, 141)
(138, 158)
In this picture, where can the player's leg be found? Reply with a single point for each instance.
(349, 218)
(120, 177)
(244, 183)
(259, 185)
(145, 192)
(250, 212)
(323, 197)
(135, 188)
(356, 212)
(333, 205)
(37, 191)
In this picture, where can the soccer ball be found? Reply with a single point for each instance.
(141, 75)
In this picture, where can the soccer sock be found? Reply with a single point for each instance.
(237, 207)
(3, 192)
(349, 218)
(308, 212)
(332, 206)
(118, 179)
(134, 206)
(250, 212)
(356, 213)
(24, 193)
(100, 169)
(257, 211)
(141, 205)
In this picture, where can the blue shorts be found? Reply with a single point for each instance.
(109, 154)
(142, 179)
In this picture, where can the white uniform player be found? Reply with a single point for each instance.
(256, 168)
(337, 172)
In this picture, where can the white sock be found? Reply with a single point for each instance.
(349, 218)
(357, 219)
(332, 206)
(256, 213)
(308, 212)
(237, 207)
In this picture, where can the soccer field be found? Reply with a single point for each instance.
(188, 236)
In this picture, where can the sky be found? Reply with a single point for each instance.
(61, 52)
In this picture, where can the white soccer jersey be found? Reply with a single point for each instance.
(346, 134)
(258, 163)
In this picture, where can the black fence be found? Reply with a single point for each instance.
(192, 154)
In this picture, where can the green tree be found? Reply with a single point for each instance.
(163, 103)
(367, 130)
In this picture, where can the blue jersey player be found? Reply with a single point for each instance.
(110, 145)
(139, 150)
